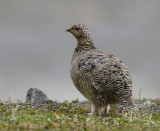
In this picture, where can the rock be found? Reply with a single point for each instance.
(147, 103)
(82, 103)
(36, 96)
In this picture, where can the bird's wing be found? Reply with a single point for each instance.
(104, 71)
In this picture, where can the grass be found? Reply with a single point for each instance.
(69, 116)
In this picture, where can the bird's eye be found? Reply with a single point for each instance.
(77, 28)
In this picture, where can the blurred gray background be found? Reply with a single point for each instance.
(35, 50)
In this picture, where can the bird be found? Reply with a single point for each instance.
(100, 77)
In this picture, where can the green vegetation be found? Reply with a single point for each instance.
(69, 116)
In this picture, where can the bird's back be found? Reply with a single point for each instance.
(100, 77)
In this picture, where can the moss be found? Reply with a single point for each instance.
(70, 116)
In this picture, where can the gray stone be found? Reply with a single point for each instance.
(82, 103)
(36, 96)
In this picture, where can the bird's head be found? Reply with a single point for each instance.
(82, 34)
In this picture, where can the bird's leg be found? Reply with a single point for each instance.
(94, 110)
(107, 109)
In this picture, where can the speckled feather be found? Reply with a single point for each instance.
(102, 78)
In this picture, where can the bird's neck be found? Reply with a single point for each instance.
(84, 45)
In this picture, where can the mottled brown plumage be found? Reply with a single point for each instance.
(102, 78)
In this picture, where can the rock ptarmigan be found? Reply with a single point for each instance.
(102, 78)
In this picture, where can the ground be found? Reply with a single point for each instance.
(72, 116)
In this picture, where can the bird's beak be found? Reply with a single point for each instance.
(68, 30)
